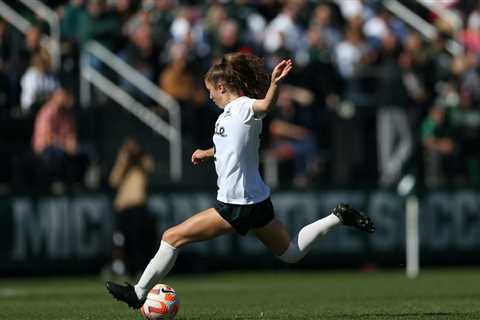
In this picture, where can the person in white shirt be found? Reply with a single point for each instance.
(246, 93)
(38, 82)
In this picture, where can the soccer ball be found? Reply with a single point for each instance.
(162, 303)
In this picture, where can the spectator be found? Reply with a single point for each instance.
(415, 85)
(441, 150)
(142, 55)
(4, 43)
(178, 80)
(470, 37)
(38, 82)
(100, 24)
(377, 27)
(20, 59)
(344, 68)
(470, 78)
(187, 27)
(72, 16)
(251, 23)
(352, 57)
(4, 58)
(136, 21)
(228, 39)
(465, 120)
(394, 136)
(439, 59)
(351, 8)
(284, 30)
(31, 46)
(55, 141)
(316, 67)
(215, 16)
(291, 136)
(124, 9)
(416, 50)
(322, 19)
(349, 53)
(135, 233)
(161, 16)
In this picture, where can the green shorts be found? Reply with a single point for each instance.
(246, 217)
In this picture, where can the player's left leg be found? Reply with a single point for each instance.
(202, 226)
(275, 236)
(205, 225)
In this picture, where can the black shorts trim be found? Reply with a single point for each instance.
(246, 217)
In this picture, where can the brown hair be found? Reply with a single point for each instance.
(42, 61)
(241, 73)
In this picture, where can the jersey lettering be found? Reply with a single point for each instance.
(220, 131)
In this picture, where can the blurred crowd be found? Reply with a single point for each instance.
(371, 99)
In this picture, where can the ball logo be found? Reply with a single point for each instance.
(169, 294)
(167, 290)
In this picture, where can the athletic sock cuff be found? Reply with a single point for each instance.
(167, 245)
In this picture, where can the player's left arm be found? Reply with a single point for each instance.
(201, 155)
(265, 105)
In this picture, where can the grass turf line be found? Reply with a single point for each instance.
(437, 294)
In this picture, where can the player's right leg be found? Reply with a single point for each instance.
(275, 236)
(351, 217)
(205, 225)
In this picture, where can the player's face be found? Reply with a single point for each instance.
(215, 93)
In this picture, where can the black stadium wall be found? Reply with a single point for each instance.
(71, 234)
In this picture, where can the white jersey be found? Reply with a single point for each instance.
(237, 140)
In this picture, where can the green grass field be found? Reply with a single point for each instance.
(440, 294)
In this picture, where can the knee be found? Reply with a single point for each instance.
(173, 237)
(290, 258)
(291, 255)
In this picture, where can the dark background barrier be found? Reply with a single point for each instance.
(71, 234)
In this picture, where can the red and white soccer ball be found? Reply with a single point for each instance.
(162, 303)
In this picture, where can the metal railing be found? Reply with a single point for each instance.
(412, 19)
(21, 24)
(170, 131)
(444, 13)
(51, 17)
(15, 19)
(419, 24)
(454, 47)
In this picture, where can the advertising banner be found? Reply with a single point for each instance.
(74, 232)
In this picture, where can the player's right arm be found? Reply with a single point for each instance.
(263, 106)
(201, 155)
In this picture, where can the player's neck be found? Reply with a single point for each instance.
(230, 97)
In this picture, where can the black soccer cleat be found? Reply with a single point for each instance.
(351, 217)
(125, 293)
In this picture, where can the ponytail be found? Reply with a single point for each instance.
(241, 73)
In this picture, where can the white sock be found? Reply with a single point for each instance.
(301, 243)
(156, 269)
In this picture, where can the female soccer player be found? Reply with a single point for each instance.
(246, 93)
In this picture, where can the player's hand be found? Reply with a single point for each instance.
(199, 156)
(281, 70)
